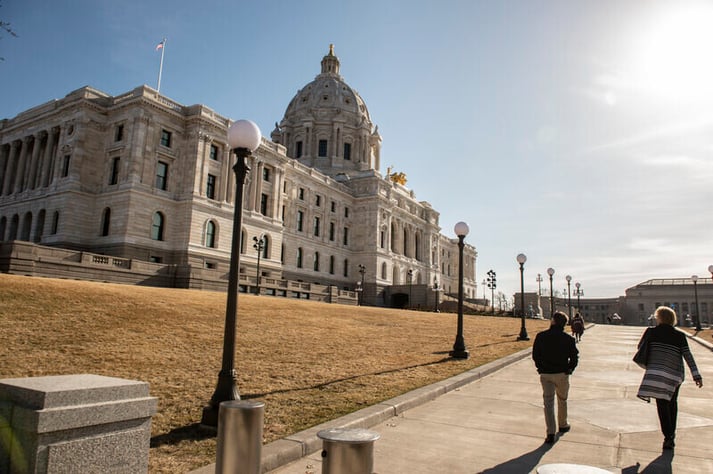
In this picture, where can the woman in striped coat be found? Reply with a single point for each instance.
(667, 349)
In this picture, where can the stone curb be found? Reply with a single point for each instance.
(298, 445)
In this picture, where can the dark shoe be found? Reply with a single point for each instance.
(564, 429)
(550, 439)
(668, 443)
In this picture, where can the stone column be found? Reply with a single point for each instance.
(32, 169)
(229, 174)
(5, 150)
(16, 186)
(225, 174)
(48, 159)
(276, 194)
(256, 185)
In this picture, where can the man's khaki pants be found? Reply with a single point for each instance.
(555, 384)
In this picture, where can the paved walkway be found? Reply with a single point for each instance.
(495, 423)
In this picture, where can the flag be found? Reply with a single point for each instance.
(160, 45)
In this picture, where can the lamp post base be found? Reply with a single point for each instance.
(459, 353)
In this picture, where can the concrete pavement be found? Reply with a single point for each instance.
(490, 420)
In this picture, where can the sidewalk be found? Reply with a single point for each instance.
(495, 424)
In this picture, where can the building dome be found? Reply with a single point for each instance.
(327, 124)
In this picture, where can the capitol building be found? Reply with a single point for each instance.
(138, 188)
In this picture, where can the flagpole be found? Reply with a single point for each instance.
(160, 68)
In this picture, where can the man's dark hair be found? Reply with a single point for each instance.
(560, 319)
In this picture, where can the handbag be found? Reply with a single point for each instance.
(642, 353)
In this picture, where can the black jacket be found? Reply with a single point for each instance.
(555, 351)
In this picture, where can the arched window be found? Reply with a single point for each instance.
(316, 261)
(299, 257)
(14, 224)
(265, 247)
(106, 220)
(210, 234)
(55, 222)
(384, 271)
(26, 226)
(157, 226)
(39, 228)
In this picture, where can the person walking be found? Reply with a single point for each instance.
(556, 356)
(667, 349)
(577, 327)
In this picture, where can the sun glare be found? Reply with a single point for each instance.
(674, 56)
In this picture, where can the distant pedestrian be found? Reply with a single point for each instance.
(667, 349)
(555, 354)
(577, 327)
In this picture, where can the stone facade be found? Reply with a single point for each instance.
(139, 176)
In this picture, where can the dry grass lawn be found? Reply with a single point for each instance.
(309, 362)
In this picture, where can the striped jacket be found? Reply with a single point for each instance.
(668, 348)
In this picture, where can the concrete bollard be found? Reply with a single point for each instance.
(240, 426)
(348, 451)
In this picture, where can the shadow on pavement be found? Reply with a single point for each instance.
(525, 463)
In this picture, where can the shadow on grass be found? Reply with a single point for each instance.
(345, 379)
(193, 432)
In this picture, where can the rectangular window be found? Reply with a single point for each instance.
(331, 265)
(346, 212)
(334, 206)
(65, 166)
(316, 226)
(154, 259)
(266, 174)
(346, 267)
(331, 231)
(298, 150)
(347, 151)
(210, 187)
(166, 138)
(318, 200)
(214, 152)
(322, 148)
(263, 204)
(114, 175)
(283, 214)
(300, 220)
(301, 194)
(161, 175)
(345, 239)
(119, 133)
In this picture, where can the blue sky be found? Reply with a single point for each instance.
(579, 133)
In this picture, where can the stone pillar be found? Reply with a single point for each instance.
(48, 159)
(229, 174)
(32, 170)
(74, 423)
(225, 175)
(11, 166)
(4, 164)
(22, 163)
(276, 194)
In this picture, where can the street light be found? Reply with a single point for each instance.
(492, 284)
(362, 271)
(539, 284)
(695, 293)
(578, 292)
(244, 138)
(436, 290)
(259, 245)
(459, 351)
(569, 296)
(521, 259)
(410, 279)
(551, 272)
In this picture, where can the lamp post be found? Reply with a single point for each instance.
(539, 284)
(551, 272)
(569, 297)
(259, 245)
(409, 274)
(521, 259)
(362, 271)
(459, 351)
(695, 294)
(578, 292)
(436, 290)
(244, 138)
(492, 284)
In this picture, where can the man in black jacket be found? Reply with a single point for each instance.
(555, 354)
